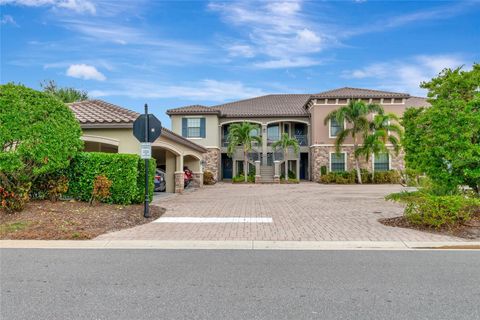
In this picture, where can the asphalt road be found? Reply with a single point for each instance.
(236, 284)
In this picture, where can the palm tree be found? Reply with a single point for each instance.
(284, 143)
(355, 113)
(379, 133)
(242, 134)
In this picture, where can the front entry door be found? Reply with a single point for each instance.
(303, 166)
(227, 166)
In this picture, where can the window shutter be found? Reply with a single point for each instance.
(184, 127)
(202, 128)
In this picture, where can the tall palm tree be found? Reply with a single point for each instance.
(284, 143)
(379, 134)
(242, 134)
(355, 113)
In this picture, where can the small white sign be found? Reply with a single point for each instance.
(145, 150)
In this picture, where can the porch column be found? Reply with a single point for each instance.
(264, 144)
(197, 179)
(258, 177)
(179, 183)
(276, 172)
(298, 167)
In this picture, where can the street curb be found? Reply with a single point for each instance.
(236, 245)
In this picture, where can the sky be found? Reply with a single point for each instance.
(176, 53)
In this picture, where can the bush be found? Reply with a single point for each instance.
(208, 178)
(14, 199)
(126, 171)
(323, 170)
(440, 211)
(38, 135)
(241, 178)
(347, 177)
(51, 186)
(384, 177)
(101, 189)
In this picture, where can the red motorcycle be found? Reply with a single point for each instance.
(187, 176)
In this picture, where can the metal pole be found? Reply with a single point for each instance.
(146, 213)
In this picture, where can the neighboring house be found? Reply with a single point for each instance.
(301, 116)
(108, 128)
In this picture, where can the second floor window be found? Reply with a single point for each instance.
(335, 127)
(193, 127)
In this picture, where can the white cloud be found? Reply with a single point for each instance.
(86, 72)
(204, 90)
(7, 19)
(79, 6)
(405, 75)
(278, 32)
(240, 50)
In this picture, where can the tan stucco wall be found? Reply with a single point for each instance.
(211, 129)
(320, 131)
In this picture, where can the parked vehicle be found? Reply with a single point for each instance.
(159, 181)
(187, 176)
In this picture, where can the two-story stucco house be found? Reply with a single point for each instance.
(300, 116)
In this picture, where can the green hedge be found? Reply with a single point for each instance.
(126, 171)
(350, 177)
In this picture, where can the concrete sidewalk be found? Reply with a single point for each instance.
(242, 245)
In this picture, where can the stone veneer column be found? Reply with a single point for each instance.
(179, 182)
(258, 177)
(276, 172)
(212, 162)
(197, 179)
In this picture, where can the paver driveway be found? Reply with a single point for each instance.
(306, 211)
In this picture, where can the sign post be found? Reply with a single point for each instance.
(146, 128)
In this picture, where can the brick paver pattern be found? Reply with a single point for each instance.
(305, 211)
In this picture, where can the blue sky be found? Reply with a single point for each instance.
(176, 53)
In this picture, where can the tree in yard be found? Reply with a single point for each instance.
(285, 143)
(67, 95)
(242, 134)
(443, 141)
(38, 135)
(355, 113)
(379, 134)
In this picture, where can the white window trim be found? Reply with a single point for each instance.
(330, 160)
(330, 128)
(389, 162)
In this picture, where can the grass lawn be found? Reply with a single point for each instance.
(71, 220)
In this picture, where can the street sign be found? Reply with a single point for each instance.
(145, 150)
(154, 128)
(146, 128)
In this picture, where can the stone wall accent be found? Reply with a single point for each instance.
(212, 162)
(320, 156)
(197, 179)
(179, 182)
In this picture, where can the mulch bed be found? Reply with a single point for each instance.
(68, 220)
(466, 231)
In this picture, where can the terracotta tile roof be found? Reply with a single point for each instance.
(277, 105)
(417, 102)
(101, 114)
(347, 92)
(193, 109)
(286, 105)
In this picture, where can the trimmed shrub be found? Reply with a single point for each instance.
(323, 170)
(14, 199)
(347, 177)
(125, 171)
(208, 178)
(101, 189)
(384, 177)
(241, 178)
(440, 211)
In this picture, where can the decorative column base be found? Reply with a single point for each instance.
(179, 182)
(258, 179)
(197, 180)
(276, 179)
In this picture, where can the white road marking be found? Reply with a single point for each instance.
(213, 220)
